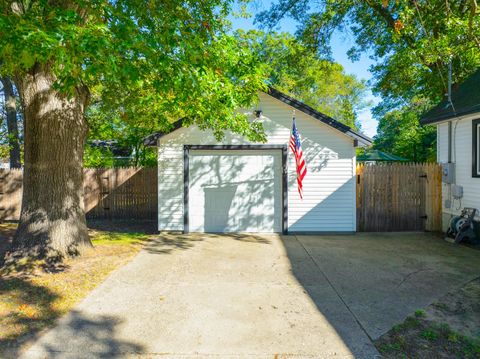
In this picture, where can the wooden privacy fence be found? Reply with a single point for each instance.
(399, 197)
(120, 193)
(10, 193)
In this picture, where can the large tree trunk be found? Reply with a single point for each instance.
(52, 222)
(12, 127)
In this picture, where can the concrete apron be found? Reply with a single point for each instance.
(258, 296)
(200, 295)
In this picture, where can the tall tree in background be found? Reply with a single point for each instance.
(152, 59)
(412, 42)
(399, 132)
(12, 125)
(297, 70)
(125, 130)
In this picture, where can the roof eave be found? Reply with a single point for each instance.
(151, 140)
(438, 119)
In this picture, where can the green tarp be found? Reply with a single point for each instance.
(375, 155)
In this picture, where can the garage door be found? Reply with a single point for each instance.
(235, 191)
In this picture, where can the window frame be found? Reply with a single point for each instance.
(476, 148)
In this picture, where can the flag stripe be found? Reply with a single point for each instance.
(301, 167)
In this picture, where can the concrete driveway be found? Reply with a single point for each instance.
(260, 296)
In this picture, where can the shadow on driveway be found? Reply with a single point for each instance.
(95, 335)
(166, 243)
(201, 295)
(384, 277)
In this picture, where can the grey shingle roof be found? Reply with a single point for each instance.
(465, 98)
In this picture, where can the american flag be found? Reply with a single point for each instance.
(296, 147)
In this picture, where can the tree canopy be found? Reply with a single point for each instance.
(412, 44)
(411, 41)
(155, 60)
(295, 69)
(399, 132)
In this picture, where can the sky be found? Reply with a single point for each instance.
(341, 43)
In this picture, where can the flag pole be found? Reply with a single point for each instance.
(293, 119)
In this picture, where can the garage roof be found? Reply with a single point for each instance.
(151, 140)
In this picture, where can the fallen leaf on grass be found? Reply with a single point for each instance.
(27, 311)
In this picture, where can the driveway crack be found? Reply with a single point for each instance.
(335, 290)
(405, 278)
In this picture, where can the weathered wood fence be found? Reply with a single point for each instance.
(399, 197)
(120, 193)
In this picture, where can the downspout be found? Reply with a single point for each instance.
(450, 134)
(451, 142)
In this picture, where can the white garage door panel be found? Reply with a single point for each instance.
(235, 191)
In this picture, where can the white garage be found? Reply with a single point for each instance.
(239, 186)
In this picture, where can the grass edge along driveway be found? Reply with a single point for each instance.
(31, 303)
(447, 328)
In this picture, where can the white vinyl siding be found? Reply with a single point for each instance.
(462, 157)
(170, 187)
(329, 187)
(442, 143)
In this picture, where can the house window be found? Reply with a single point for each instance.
(476, 148)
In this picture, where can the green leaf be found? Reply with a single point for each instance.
(27, 60)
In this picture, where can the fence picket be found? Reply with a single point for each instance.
(397, 197)
(120, 193)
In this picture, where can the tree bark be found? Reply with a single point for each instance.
(12, 126)
(52, 221)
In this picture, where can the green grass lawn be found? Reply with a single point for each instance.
(32, 302)
(448, 328)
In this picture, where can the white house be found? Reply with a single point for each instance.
(458, 147)
(239, 186)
